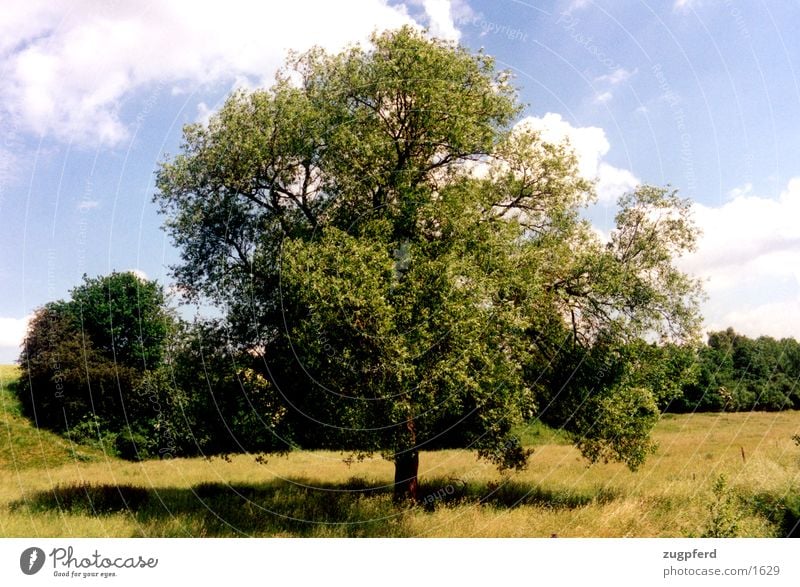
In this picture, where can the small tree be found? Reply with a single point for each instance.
(408, 263)
(84, 361)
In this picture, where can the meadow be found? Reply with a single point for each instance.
(713, 475)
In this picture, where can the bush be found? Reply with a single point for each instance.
(92, 431)
(87, 362)
(723, 510)
(220, 402)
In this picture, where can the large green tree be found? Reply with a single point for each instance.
(413, 267)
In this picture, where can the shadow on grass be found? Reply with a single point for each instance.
(290, 507)
(510, 494)
(783, 510)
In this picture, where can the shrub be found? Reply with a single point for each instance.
(724, 514)
(87, 362)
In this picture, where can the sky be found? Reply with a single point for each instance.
(701, 95)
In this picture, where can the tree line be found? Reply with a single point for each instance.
(733, 372)
(115, 365)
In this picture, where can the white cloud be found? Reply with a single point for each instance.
(612, 182)
(462, 13)
(204, 113)
(68, 67)
(776, 319)
(748, 238)
(749, 259)
(141, 275)
(616, 77)
(590, 145)
(741, 191)
(603, 97)
(12, 331)
(440, 19)
(25, 20)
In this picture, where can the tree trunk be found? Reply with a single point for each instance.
(406, 465)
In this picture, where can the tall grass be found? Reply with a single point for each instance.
(50, 488)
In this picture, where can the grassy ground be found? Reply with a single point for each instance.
(49, 488)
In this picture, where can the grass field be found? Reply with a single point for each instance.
(714, 474)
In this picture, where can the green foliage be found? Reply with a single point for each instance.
(737, 373)
(535, 432)
(93, 432)
(666, 369)
(723, 511)
(780, 508)
(219, 403)
(413, 269)
(87, 363)
(607, 398)
(124, 317)
(619, 425)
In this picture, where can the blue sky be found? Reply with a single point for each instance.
(700, 94)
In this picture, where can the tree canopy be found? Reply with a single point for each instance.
(85, 361)
(736, 373)
(412, 267)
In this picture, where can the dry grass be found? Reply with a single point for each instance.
(56, 493)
